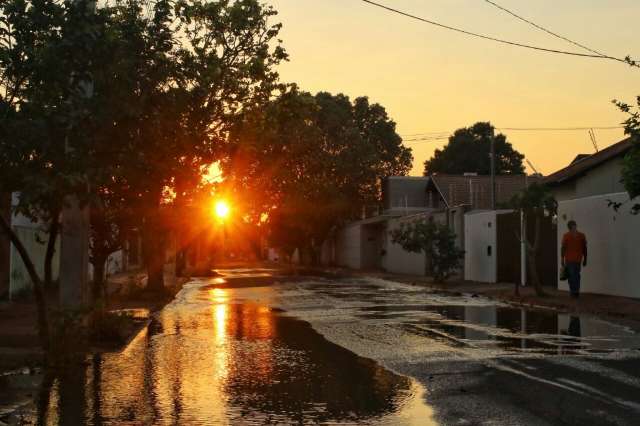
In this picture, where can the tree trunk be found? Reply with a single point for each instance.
(181, 261)
(54, 229)
(154, 254)
(97, 285)
(38, 290)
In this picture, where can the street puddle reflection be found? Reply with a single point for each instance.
(508, 328)
(208, 358)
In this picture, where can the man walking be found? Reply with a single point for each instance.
(573, 254)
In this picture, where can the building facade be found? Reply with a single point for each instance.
(584, 191)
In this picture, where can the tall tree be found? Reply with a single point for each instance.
(183, 71)
(469, 149)
(45, 59)
(312, 162)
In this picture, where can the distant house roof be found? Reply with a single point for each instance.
(475, 191)
(580, 166)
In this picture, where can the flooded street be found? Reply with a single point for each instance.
(255, 348)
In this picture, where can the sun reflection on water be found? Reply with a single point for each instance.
(231, 361)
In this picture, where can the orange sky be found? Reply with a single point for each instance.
(433, 80)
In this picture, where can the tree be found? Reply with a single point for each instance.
(311, 162)
(437, 241)
(119, 103)
(469, 150)
(631, 165)
(534, 202)
(189, 71)
(44, 116)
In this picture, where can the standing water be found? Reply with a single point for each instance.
(212, 358)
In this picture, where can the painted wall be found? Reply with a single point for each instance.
(348, 250)
(480, 247)
(36, 245)
(396, 259)
(613, 240)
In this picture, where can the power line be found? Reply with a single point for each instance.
(543, 129)
(495, 39)
(575, 43)
(524, 129)
(423, 140)
(426, 133)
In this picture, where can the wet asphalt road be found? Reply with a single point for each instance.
(479, 362)
(252, 347)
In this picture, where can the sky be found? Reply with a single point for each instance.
(433, 80)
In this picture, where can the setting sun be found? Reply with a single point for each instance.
(221, 209)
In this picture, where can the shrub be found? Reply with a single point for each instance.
(437, 241)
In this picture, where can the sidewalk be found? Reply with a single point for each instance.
(19, 343)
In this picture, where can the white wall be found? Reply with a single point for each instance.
(348, 248)
(613, 241)
(480, 233)
(396, 259)
(36, 245)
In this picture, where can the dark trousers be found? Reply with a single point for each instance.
(573, 276)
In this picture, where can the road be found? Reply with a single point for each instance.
(253, 347)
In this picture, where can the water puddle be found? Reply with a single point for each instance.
(210, 358)
(508, 328)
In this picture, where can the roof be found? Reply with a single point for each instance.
(582, 165)
(475, 191)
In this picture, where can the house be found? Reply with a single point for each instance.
(584, 190)
(366, 244)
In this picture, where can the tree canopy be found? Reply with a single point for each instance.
(123, 101)
(314, 161)
(631, 165)
(468, 151)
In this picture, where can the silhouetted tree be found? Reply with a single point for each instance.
(468, 151)
(631, 165)
(312, 162)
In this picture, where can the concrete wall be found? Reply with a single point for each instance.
(372, 245)
(348, 246)
(480, 247)
(396, 259)
(35, 244)
(613, 240)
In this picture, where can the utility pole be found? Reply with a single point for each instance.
(493, 170)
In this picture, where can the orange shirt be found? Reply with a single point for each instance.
(574, 245)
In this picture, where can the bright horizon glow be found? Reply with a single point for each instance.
(222, 209)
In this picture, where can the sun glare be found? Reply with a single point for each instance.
(221, 209)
